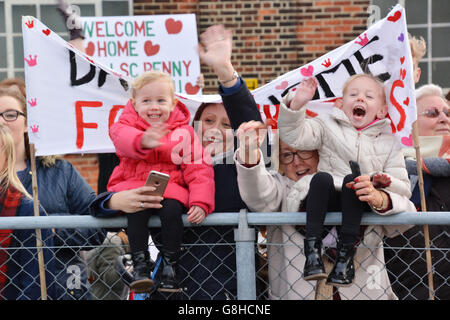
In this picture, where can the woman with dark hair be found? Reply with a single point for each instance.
(209, 263)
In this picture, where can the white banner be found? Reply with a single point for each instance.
(73, 98)
(132, 45)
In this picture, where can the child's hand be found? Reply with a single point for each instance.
(381, 180)
(152, 136)
(304, 94)
(196, 215)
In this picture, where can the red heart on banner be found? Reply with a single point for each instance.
(406, 101)
(190, 89)
(407, 141)
(311, 114)
(395, 17)
(283, 85)
(46, 32)
(403, 73)
(402, 59)
(150, 49)
(173, 27)
(90, 49)
(307, 72)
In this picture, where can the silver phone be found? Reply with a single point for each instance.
(158, 180)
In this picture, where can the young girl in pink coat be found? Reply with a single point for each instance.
(153, 133)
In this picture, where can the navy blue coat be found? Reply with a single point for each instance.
(63, 191)
(210, 271)
(22, 266)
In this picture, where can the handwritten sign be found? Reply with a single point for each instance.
(131, 45)
(74, 98)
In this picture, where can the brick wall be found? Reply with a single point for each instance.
(270, 37)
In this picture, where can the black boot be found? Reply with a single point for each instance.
(314, 269)
(168, 273)
(343, 271)
(141, 271)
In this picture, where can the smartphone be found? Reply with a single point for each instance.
(158, 180)
(356, 172)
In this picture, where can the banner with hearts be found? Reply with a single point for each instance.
(131, 45)
(382, 50)
(73, 98)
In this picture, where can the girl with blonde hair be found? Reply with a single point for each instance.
(19, 268)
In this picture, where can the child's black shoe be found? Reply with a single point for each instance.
(141, 271)
(343, 271)
(168, 273)
(314, 269)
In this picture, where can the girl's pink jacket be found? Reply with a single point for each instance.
(181, 156)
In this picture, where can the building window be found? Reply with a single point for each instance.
(428, 19)
(11, 12)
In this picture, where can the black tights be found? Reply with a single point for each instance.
(171, 226)
(323, 197)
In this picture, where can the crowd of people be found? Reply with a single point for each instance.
(230, 174)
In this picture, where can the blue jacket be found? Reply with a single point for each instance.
(22, 265)
(63, 191)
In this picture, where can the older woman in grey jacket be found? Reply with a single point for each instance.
(272, 191)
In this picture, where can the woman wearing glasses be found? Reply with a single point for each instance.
(285, 190)
(62, 190)
(408, 270)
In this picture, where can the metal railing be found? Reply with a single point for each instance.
(251, 260)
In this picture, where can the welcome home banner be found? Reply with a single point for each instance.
(132, 45)
(73, 99)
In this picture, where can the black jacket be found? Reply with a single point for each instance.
(209, 272)
(407, 267)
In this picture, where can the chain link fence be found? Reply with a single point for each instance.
(254, 256)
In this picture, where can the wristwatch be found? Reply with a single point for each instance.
(234, 76)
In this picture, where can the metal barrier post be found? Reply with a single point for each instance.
(245, 259)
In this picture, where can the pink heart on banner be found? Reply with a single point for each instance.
(407, 141)
(283, 85)
(307, 72)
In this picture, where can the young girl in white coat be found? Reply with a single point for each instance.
(355, 130)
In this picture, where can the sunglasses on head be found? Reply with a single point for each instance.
(435, 112)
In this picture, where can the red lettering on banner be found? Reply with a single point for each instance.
(123, 49)
(147, 66)
(187, 67)
(99, 27)
(113, 113)
(115, 28)
(139, 29)
(271, 120)
(100, 49)
(124, 68)
(401, 111)
(79, 119)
